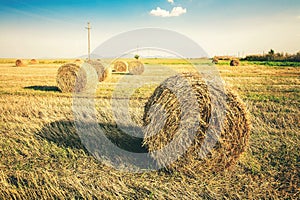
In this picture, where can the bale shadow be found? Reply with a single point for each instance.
(64, 134)
(43, 88)
(120, 73)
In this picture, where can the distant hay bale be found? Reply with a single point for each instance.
(136, 67)
(234, 62)
(215, 60)
(20, 63)
(120, 66)
(78, 61)
(167, 119)
(70, 78)
(101, 72)
(33, 62)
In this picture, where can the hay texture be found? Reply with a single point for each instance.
(33, 62)
(136, 67)
(181, 116)
(121, 66)
(102, 73)
(20, 63)
(70, 78)
(234, 62)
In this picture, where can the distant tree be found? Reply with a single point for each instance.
(271, 55)
(136, 56)
(271, 52)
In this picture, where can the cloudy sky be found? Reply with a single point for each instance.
(55, 28)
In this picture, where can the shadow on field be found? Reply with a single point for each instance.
(64, 134)
(121, 73)
(43, 88)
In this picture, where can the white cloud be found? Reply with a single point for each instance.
(171, 1)
(176, 12)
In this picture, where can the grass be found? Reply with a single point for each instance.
(41, 156)
(263, 63)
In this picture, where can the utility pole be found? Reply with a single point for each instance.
(89, 40)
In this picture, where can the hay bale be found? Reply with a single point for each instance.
(234, 62)
(101, 72)
(215, 60)
(20, 63)
(33, 62)
(70, 78)
(136, 67)
(78, 61)
(107, 73)
(182, 118)
(121, 66)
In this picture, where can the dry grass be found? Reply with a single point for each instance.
(42, 158)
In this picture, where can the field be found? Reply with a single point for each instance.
(41, 156)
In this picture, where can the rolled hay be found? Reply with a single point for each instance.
(101, 71)
(78, 61)
(183, 115)
(70, 78)
(33, 62)
(120, 66)
(107, 73)
(215, 60)
(136, 67)
(234, 62)
(20, 63)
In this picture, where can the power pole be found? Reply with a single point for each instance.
(89, 40)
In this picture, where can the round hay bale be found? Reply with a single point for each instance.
(121, 66)
(107, 73)
(20, 63)
(215, 60)
(33, 61)
(136, 67)
(166, 120)
(99, 69)
(234, 62)
(70, 78)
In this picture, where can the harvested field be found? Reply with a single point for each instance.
(41, 155)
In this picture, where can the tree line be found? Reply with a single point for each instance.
(273, 56)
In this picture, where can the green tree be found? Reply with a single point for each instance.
(136, 56)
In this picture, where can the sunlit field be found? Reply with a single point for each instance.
(41, 156)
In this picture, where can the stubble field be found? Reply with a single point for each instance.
(41, 156)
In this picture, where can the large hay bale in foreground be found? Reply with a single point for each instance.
(70, 78)
(101, 72)
(234, 62)
(185, 103)
(20, 63)
(121, 66)
(136, 67)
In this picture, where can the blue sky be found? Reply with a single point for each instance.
(55, 28)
